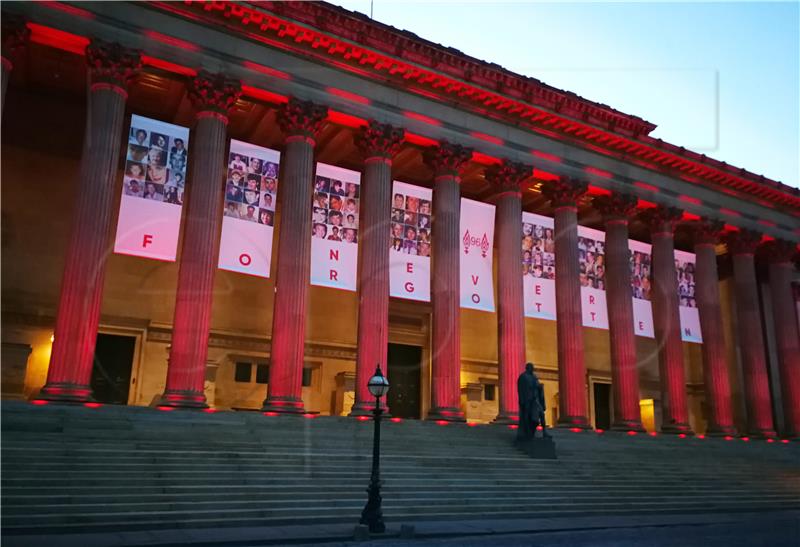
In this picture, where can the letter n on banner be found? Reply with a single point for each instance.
(477, 244)
(334, 227)
(410, 242)
(152, 189)
(249, 216)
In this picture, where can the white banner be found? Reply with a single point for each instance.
(250, 197)
(690, 316)
(152, 190)
(538, 266)
(592, 268)
(334, 224)
(641, 266)
(410, 242)
(477, 245)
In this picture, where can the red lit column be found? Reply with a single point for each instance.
(15, 36)
(506, 180)
(616, 209)
(666, 319)
(212, 95)
(446, 160)
(715, 366)
(378, 143)
(300, 122)
(780, 255)
(72, 357)
(742, 245)
(564, 194)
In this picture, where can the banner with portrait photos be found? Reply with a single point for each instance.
(410, 242)
(334, 225)
(477, 245)
(796, 293)
(251, 189)
(592, 268)
(152, 191)
(641, 267)
(690, 315)
(538, 266)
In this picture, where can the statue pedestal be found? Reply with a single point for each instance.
(538, 448)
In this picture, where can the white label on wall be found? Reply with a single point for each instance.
(250, 196)
(152, 189)
(410, 242)
(477, 242)
(334, 227)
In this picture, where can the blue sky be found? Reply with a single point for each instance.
(720, 78)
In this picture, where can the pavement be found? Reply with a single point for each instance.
(773, 529)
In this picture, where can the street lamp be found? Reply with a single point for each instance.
(372, 515)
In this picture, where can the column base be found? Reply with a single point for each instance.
(762, 434)
(676, 429)
(506, 418)
(183, 399)
(721, 431)
(628, 425)
(284, 405)
(447, 414)
(571, 422)
(66, 393)
(367, 409)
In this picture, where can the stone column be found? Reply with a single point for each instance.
(666, 319)
(715, 366)
(300, 122)
(446, 160)
(506, 180)
(616, 209)
(564, 194)
(72, 357)
(742, 245)
(779, 254)
(378, 144)
(15, 37)
(212, 96)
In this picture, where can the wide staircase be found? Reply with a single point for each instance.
(76, 469)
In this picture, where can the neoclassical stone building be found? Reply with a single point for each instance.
(84, 320)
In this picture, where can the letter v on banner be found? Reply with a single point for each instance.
(477, 243)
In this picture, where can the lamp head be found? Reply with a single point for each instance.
(378, 385)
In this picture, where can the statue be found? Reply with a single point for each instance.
(531, 404)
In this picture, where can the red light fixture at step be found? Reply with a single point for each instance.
(770, 441)
(682, 436)
(513, 426)
(746, 439)
(396, 420)
(599, 431)
(39, 402)
(785, 441)
(652, 433)
(363, 418)
(165, 408)
(701, 437)
(271, 414)
(209, 410)
(309, 416)
(631, 433)
(576, 429)
(92, 405)
(442, 422)
(472, 424)
(728, 438)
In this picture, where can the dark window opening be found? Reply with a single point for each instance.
(244, 372)
(307, 377)
(262, 374)
(488, 392)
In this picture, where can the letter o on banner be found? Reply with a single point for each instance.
(245, 259)
(476, 298)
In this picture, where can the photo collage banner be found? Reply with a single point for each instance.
(538, 271)
(334, 224)
(251, 189)
(410, 242)
(152, 190)
(477, 244)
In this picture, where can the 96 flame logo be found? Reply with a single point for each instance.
(466, 242)
(471, 241)
(484, 245)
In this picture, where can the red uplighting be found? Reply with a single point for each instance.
(701, 436)
(255, 67)
(690, 216)
(58, 39)
(421, 118)
(599, 431)
(728, 438)
(539, 428)
(644, 204)
(599, 173)
(731, 228)
(167, 66)
(785, 441)
(645, 186)
(682, 436)
(92, 405)
(689, 199)
(746, 439)
(632, 433)
(729, 212)
(347, 95)
(419, 140)
(165, 408)
(766, 222)
(209, 410)
(309, 416)
(545, 156)
(597, 191)
(396, 419)
(40, 402)
(170, 40)
(442, 422)
(544, 175)
(472, 424)
(72, 10)
(576, 429)
(345, 119)
(652, 433)
(485, 159)
(770, 440)
(513, 426)
(488, 138)
(270, 414)
(264, 95)
(362, 418)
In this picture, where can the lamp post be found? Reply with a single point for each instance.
(372, 515)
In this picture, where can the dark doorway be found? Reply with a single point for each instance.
(111, 373)
(602, 406)
(404, 366)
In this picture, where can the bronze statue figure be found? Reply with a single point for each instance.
(531, 404)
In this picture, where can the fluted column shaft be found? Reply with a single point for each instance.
(15, 37)
(786, 334)
(72, 357)
(750, 338)
(200, 250)
(715, 366)
(666, 323)
(300, 122)
(378, 143)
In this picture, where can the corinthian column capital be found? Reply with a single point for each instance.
(616, 206)
(110, 64)
(447, 159)
(379, 140)
(508, 176)
(742, 242)
(214, 94)
(564, 191)
(15, 37)
(707, 231)
(302, 118)
(778, 251)
(662, 219)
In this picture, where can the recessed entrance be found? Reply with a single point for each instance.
(602, 405)
(404, 366)
(111, 373)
